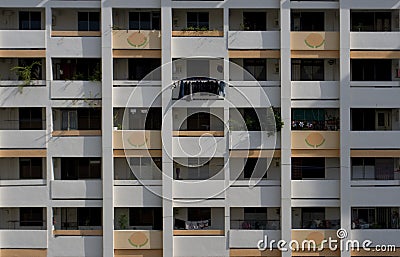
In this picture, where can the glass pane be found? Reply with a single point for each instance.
(23, 20)
(191, 19)
(145, 21)
(94, 21)
(134, 20)
(36, 18)
(83, 22)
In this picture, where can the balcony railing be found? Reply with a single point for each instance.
(320, 224)
(331, 125)
(255, 224)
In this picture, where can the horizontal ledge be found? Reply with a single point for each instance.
(254, 153)
(198, 133)
(316, 153)
(276, 54)
(67, 133)
(137, 153)
(207, 33)
(22, 53)
(23, 153)
(315, 54)
(374, 54)
(199, 232)
(375, 153)
(78, 232)
(136, 53)
(76, 33)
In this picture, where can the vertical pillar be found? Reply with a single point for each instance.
(107, 129)
(167, 161)
(286, 209)
(345, 203)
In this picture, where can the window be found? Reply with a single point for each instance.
(30, 20)
(69, 120)
(362, 168)
(30, 118)
(370, 21)
(145, 167)
(308, 168)
(80, 168)
(198, 20)
(30, 168)
(144, 118)
(144, 21)
(81, 119)
(145, 218)
(307, 70)
(140, 68)
(371, 70)
(255, 21)
(89, 216)
(31, 216)
(77, 69)
(199, 121)
(310, 215)
(256, 67)
(308, 21)
(198, 214)
(88, 21)
(362, 119)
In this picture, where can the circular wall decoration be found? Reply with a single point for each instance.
(315, 139)
(138, 40)
(314, 40)
(138, 239)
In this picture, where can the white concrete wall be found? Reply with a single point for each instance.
(35, 239)
(137, 196)
(200, 246)
(75, 89)
(315, 189)
(248, 239)
(66, 246)
(75, 47)
(83, 189)
(29, 139)
(375, 40)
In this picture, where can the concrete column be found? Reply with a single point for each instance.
(49, 127)
(107, 130)
(345, 204)
(286, 210)
(167, 161)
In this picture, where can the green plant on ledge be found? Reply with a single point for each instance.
(278, 120)
(122, 221)
(96, 74)
(27, 73)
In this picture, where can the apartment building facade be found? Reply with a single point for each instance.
(116, 134)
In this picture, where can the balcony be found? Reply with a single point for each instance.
(131, 239)
(375, 40)
(314, 40)
(77, 121)
(75, 89)
(200, 246)
(199, 221)
(136, 39)
(30, 39)
(19, 139)
(311, 189)
(377, 236)
(137, 139)
(316, 235)
(315, 140)
(376, 139)
(81, 221)
(315, 90)
(130, 194)
(83, 189)
(15, 239)
(315, 218)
